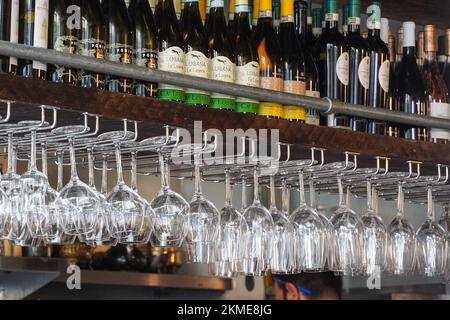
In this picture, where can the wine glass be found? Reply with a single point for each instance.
(80, 195)
(258, 245)
(374, 236)
(283, 236)
(203, 221)
(431, 244)
(310, 235)
(170, 217)
(402, 241)
(347, 232)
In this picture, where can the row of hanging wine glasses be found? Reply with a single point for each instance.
(249, 241)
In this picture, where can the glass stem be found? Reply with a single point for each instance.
(312, 194)
(134, 171)
(90, 154)
(227, 188)
(369, 196)
(10, 153)
(163, 167)
(256, 186)
(341, 192)
(44, 158)
(273, 204)
(119, 165)
(197, 177)
(14, 159)
(73, 174)
(301, 188)
(59, 155)
(348, 198)
(430, 210)
(400, 201)
(285, 196)
(374, 201)
(244, 193)
(33, 151)
(104, 188)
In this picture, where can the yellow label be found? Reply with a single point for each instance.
(265, 5)
(294, 113)
(231, 11)
(270, 109)
(287, 8)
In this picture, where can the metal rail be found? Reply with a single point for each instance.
(324, 105)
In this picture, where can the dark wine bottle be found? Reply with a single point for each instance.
(317, 23)
(171, 55)
(119, 42)
(441, 54)
(333, 64)
(231, 21)
(64, 33)
(145, 44)
(392, 129)
(420, 49)
(359, 64)
(158, 15)
(446, 71)
(196, 50)
(270, 59)
(221, 55)
(294, 79)
(245, 57)
(255, 14)
(33, 31)
(92, 42)
(345, 20)
(9, 31)
(435, 88)
(276, 17)
(379, 64)
(307, 41)
(411, 97)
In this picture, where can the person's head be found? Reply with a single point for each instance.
(308, 286)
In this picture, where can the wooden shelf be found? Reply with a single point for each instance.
(153, 113)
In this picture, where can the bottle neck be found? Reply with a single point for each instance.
(409, 51)
(331, 25)
(374, 33)
(431, 56)
(242, 23)
(354, 28)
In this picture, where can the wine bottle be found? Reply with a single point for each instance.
(231, 23)
(255, 14)
(221, 55)
(345, 20)
(410, 86)
(270, 59)
(145, 44)
(171, 55)
(359, 63)
(63, 37)
(399, 53)
(178, 6)
(119, 42)
(92, 42)
(208, 19)
(246, 57)
(276, 15)
(307, 41)
(196, 51)
(435, 89)
(202, 8)
(420, 49)
(446, 71)
(152, 4)
(9, 31)
(294, 80)
(333, 63)
(441, 55)
(33, 31)
(317, 22)
(379, 64)
(392, 129)
(158, 15)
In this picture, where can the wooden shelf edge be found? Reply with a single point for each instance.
(113, 105)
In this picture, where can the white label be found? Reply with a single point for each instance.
(364, 72)
(342, 66)
(440, 110)
(442, 58)
(383, 76)
(66, 44)
(14, 34)
(312, 116)
(197, 65)
(285, 19)
(309, 20)
(247, 75)
(331, 16)
(317, 31)
(241, 8)
(314, 94)
(172, 60)
(40, 39)
(217, 3)
(265, 14)
(354, 21)
(222, 69)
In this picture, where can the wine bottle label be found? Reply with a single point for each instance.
(92, 48)
(217, 3)
(14, 32)
(171, 60)
(222, 69)
(342, 66)
(247, 75)
(265, 14)
(146, 58)
(270, 109)
(364, 72)
(66, 44)
(373, 16)
(331, 16)
(241, 6)
(312, 117)
(294, 113)
(309, 20)
(271, 83)
(118, 52)
(286, 19)
(442, 58)
(440, 110)
(295, 87)
(354, 21)
(317, 31)
(40, 36)
(197, 65)
(383, 76)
